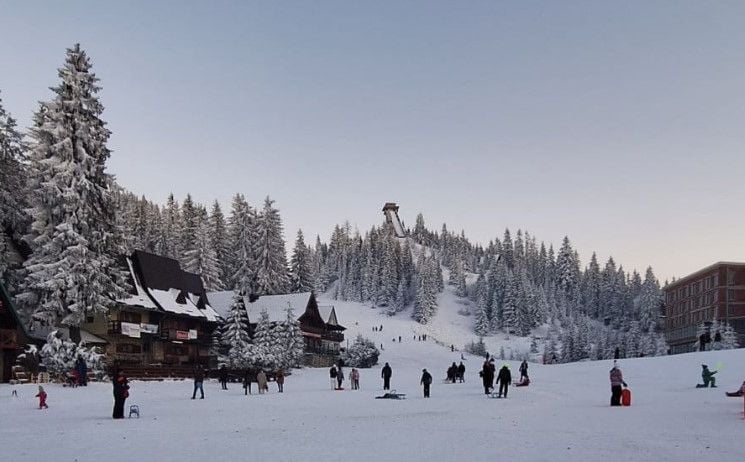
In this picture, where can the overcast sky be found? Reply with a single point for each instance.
(620, 124)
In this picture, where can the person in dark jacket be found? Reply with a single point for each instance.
(223, 373)
(708, 377)
(248, 377)
(279, 377)
(487, 375)
(616, 384)
(339, 378)
(121, 393)
(198, 381)
(82, 369)
(426, 381)
(386, 374)
(523, 371)
(452, 373)
(461, 372)
(332, 375)
(504, 379)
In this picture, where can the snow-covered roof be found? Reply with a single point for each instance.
(167, 301)
(276, 306)
(140, 299)
(328, 313)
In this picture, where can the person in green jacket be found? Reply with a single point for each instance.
(708, 376)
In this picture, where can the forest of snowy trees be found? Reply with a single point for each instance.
(74, 222)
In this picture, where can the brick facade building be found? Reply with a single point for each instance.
(715, 292)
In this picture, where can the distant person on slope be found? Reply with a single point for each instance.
(355, 377)
(279, 377)
(708, 377)
(426, 381)
(616, 384)
(386, 374)
(504, 379)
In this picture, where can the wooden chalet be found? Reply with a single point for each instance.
(14, 336)
(166, 321)
(321, 330)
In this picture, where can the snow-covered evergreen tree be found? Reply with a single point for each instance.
(242, 242)
(290, 344)
(271, 267)
(301, 266)
(362, 353)
(72, 270)
(202, 259)
(267, 349)
(220, 244)
(235, 335)
(13, 176)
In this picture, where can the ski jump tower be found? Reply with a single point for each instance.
(390, 210)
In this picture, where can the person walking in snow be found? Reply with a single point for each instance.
(426, 381)
(339, 378)
(198, 381)
(248, 377)
(453, 372)
(523, 370)
(708, 377)
(355, 376)
(461, 372)
(332, 375)
(223, 373)
(279, 377)
(121, 393)
(261, 379)
(42, 395)
(399, 339)
(487, 376)
(616, 384)
(82, 368)
(386, 374)
(505, 380)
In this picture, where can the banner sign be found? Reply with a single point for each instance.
(130, 329)
(192, 334)
(149, 328)
(182, 335)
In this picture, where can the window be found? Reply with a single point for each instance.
(731, 295)
(730, 278)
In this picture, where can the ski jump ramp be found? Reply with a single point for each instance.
(390, 210)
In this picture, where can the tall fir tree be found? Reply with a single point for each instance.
(72, 270)
(202, 259)
(301, 266)
(271, 268)
(235, 334)
(219, 238)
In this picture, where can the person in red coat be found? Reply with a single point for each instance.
(42, 395)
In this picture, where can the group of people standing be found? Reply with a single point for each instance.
(336, 375)
(503, 378)
(456, 373)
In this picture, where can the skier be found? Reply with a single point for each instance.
(487, 375)
(261, 379)
(426, 381)
(279, 377)
(461, 372)
(121, 393)
(198, 381)
(386, 374)
(523, 370)
(42, 395)
(504, 379)
(616, 382)
(708, 377)
(340, 378)
(452, 348)
(332, 375)
(223, 377)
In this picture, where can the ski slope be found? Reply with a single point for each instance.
(563, 414)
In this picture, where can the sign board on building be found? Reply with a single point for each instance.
(130, 329)
(192, 334)
(149, 328)
(182, 335)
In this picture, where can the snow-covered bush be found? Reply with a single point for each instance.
(58, 355)
(362, 353)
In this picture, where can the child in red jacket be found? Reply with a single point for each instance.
(42, 395)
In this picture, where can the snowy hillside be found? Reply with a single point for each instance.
(563, 415)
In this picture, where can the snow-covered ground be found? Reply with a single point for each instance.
(564, 414)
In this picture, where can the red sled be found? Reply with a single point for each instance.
(626, 397)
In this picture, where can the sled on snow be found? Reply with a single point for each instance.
(626, 397)
(392, 395)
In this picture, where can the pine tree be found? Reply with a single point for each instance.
(72, 270)
(220, 244)
(171, 233)
(290, 342)
(13, 176)
(301, 269)
(242, 241)
(510, 304)
(271, 268)
(235, 335)
(202, 259)
(267, 349)
(482, 325)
